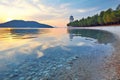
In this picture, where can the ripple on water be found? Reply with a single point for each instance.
(55, 54)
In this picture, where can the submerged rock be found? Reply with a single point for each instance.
(60, 65)
(68, 68)
(29, 78)
(70, 60)
(13, 75)
(22, 78)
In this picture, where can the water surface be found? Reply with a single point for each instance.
(57, 54)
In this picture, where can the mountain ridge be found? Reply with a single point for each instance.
(23, 23)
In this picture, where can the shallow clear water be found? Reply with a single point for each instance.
(56, 54)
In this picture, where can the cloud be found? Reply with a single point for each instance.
(32, 9)
(52, 15)
(37, 11)
(81, 10)
(65, 5)
(86, 10)
(16, 10)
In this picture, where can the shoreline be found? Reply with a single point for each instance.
(95, 26)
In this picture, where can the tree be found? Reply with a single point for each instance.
(107, 17)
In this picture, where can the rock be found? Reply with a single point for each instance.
(60, 65)
(70, 60)
(36, 69)
(32, 73)
(44, 79)
(68, 68)
(13, 75)
(62, 59)
(39, 73)
(54, 68)
(47, 75)
(16, 70)
(22, 78)
(6, 79)
(75, 58)
(35, 78)
(28, 78)
(76, 79)
(45, 72)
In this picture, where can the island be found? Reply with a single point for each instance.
(23, 24)
(105, 18)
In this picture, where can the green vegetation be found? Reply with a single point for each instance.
(108, 17)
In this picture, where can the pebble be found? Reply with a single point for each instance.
(22, 78)
(6, 79)
(69, 62)
(54, 68)
(28, 78)
(13, 75)
(39, 73)
(16, 70)
(45, 72)
(60, 65)
(35, 78)
(76, 79)
(75, 58)
(32, 73)
(68, 68)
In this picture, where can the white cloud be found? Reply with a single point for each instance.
(35, 10)
(66, 5)
(86, 10)
(32, 7)
(35, 1)
(81, 10)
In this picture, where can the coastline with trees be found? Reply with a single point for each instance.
(108, 17)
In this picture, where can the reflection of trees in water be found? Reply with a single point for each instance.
(101, 36)
(112, 62)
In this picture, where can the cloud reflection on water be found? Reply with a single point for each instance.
(24, 43)
(52, 44)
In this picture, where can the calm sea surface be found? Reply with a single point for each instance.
(60, 54)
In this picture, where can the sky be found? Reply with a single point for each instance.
(52, 12)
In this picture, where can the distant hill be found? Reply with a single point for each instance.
(24, 24)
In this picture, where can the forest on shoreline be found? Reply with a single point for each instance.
(108, 17)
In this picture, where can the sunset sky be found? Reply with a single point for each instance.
(52, 12)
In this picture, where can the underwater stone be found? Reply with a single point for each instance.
(35, 78)
(13, 75)
(22, 78)
(28, 78)
(68, 68)
(54, 68)
(60, 65)
(16, 70)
